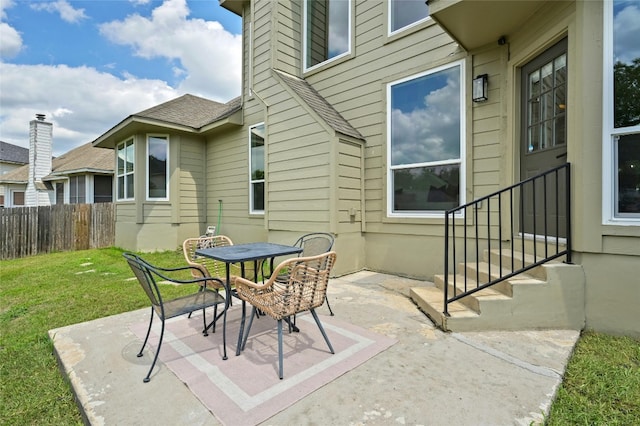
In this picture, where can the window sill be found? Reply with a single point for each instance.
(411, 29)
(328, 64)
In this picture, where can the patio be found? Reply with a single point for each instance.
(427, 377)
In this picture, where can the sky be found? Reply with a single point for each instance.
(87, 65)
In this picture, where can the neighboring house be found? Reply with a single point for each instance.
(82, 175)
(11, 157)
(357, 118)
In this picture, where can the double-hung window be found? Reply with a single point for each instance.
(157, 167)
(621, 149)
(425, 142)
(406, 13)
(77, 189)
(125, 172)
(327, 31)
(256, 167)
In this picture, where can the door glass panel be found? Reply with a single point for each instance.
(546, 104)
(547, 77)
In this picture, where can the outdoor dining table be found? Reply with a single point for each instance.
(249, 252)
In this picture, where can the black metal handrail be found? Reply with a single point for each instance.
(506, 195)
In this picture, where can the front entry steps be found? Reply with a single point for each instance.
(550, 296)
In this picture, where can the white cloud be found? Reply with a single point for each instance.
(208, 54)
(11, 41)
(431, 133)
(82, 103)
(62, 7)
(627, 28)
(5, 4)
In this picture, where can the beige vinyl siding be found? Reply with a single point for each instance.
(125, 212)
(158, 212)
(357, 89)
(191, 176)
(350, 189)
(288, 49)
(262, 44)
(298, 169)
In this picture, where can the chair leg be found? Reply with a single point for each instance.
(155, 358)
(147, 336)
(246, 335)
(280, 357)
(204, 322)
(326, 339)
(326, 299)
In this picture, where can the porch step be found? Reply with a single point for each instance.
(430, 300)
(548, 296)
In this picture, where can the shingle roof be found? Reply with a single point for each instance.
(85, 158)
(190, 110)
(319, 104)
(10, 153)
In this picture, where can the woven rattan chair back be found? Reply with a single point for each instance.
(208, 266)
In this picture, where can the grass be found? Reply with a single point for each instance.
(39, 293)
(602, 383)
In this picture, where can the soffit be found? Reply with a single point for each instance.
(475, 23)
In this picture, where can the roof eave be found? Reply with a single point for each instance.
(234, 119)
(135, 123)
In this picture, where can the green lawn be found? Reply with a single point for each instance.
(602, 384)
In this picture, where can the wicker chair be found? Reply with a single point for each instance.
(305, 290)
(312, 244)
(209, 267)
(202, 298)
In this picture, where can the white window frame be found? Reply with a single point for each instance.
(461, 161)
(73, 195)
(406, 27)
(611, 134)
(305, 67)
(148, 170)
(126, 175)
(252, 181)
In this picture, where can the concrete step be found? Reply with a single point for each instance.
(473, 301)
(430, 300)
(550, 298)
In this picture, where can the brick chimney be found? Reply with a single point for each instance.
(40, 151)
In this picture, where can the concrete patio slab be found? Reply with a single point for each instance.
(428, 378)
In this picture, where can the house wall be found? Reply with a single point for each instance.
(163, 225)
(609, 254)
(356, 87)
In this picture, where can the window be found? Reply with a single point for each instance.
(256, 165)
(18, 198)
(125, 172)
(60, 193)
(102, 189)
(77, 189)
(157, 167)
(406, 13)
(621, 153)
(327, 28)
(426, 142)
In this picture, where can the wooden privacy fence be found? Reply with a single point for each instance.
(26, 231)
